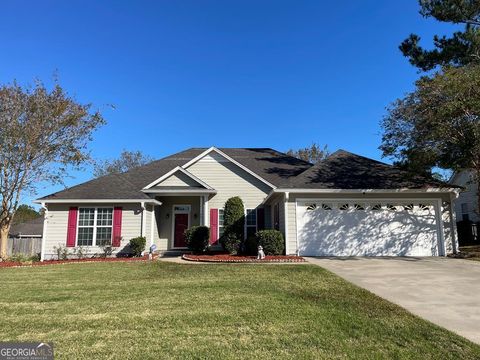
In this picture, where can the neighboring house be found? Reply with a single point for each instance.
(26, 238)
(466, 204)
(28, 229)
(346, 205)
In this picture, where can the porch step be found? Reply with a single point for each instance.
(172, 253)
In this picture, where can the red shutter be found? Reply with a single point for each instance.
(117, 226)
(261, 219)
(213, 226)
(72, 226)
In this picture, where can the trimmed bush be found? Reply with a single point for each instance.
(197, 238)
(234, 216)
(137, 245)
(250, 247)
(231, 243)
(272, 241)
(234, 222)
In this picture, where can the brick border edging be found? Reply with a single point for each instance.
(254, 261)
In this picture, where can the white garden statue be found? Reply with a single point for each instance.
(261, 253)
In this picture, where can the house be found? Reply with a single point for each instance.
(346, 205)
(26, 238)
(467, 202)
(28, 229)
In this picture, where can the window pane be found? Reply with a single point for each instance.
(86, 217)
(85, 236)
(220, 217)
(251, 217)
(104, 217)
(104, 236)
(220, 231)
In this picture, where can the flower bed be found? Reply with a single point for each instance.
(70, 261)
(226, 258)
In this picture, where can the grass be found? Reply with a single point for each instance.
(164, 310)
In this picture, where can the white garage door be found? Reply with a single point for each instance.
(373, 228)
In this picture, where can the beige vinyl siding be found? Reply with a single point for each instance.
(229, 180)
(467, 196)
(164, 217)
(57, 220)
(178, 179)
(448, 225)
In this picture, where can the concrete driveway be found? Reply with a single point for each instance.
(442, 290)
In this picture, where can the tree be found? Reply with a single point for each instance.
(312, 154)
(127, 161)
(43, 133)
(462, 48)
(25, 213)
(438, 124)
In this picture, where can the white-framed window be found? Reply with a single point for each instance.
(221, 224)
(94, 226)
(250, 222)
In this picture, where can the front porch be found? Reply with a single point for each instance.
(177, 214)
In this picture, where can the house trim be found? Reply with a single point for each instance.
(97, 201)
(213, 148)
(361, 191)
(181, 191)
(173, 171)
(44, 234)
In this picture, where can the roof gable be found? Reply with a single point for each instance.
(178, 177)
(218, 155)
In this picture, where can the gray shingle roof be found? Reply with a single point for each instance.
(273, 166)
(344, 170)
(341, 170)
(31, 227)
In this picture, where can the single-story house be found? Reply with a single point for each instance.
(345, 205)
(28, 229)
(467, 202)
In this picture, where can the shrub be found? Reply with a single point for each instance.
(107, 250)
(61, 251)
(250, 247)
(80, 251)
(231, 242)
(272, 241)
(234, 221)
(197, 238)
(24, 258)
(137, 245)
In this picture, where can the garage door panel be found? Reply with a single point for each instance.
(366, 229)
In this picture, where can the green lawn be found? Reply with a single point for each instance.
(164, 310)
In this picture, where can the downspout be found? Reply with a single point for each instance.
(44, 232)
(285, 216)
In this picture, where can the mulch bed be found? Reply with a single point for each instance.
(7, 263)
(226, 258)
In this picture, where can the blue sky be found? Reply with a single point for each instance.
(279, 74)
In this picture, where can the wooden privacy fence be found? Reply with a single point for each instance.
(25, 246)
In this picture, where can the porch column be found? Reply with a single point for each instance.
(205, 210)
(152, 224)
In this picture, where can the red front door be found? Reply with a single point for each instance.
(181, 224)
